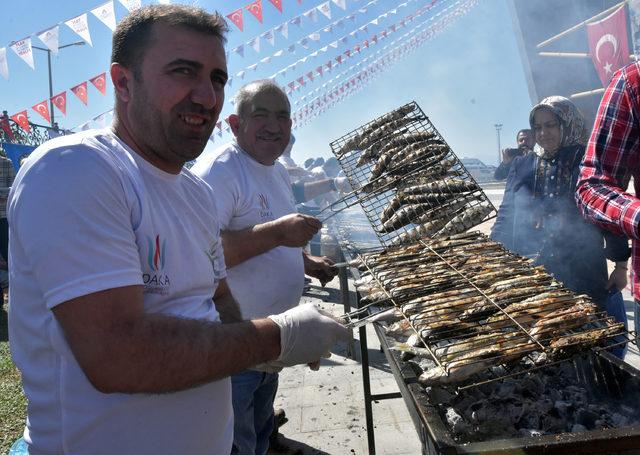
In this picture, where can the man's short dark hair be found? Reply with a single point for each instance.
(526, 131)
(132, 35)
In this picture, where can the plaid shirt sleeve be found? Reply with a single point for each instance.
(611, 157)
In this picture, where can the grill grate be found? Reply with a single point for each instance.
(407, 179)
(449, 291)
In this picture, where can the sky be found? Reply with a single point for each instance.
(467, 78)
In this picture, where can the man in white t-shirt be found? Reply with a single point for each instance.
(262, 236)
(115, 257)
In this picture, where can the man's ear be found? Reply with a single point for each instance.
(234, 123)
(121, 78)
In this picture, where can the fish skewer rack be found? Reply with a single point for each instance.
(400, 164)
(466, 323)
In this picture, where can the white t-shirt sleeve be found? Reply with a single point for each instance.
(71, 218)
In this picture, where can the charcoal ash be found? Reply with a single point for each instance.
(552, 400)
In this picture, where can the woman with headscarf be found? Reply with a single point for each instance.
(539, 217)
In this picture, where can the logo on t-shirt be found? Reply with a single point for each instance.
(156, 281)
(265, 211)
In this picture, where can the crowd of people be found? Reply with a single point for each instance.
(154, 312)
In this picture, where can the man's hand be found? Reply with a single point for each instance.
(507, 156)
(320, 267)
(306, 335)
(618, 277)
(296, 230)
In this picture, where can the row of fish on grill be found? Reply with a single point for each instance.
(469, 304)
(433, 192)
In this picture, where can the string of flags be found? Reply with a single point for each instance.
(60, 101)
(106, 14)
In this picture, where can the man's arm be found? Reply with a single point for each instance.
(294, 230)
(305, 191)
(226, 304)
(123, 349)
(611, 154)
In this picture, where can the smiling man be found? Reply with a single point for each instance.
(112, 316)
(262, 236)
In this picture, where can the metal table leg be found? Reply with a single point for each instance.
(346, 303)
(366, 385)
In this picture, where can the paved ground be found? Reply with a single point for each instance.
(325, 408)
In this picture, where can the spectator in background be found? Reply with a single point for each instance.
(525, 141)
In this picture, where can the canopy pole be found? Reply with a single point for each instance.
(581, 24)
(573, 55)
(587, 93)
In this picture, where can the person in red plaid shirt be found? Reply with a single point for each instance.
(611, 159)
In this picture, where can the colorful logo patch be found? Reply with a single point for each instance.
(156, 253)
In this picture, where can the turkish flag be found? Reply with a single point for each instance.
(236, 18)
(608, 44)
(60, 101)
(6, 127)
(22, 120)
(80, 91)
(255, 8)
(42, 108)
(277, 4)
(100, 82)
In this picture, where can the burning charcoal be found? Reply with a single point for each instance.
(619, 420)
(551, 424)
(506, 389)
(564, 408)
(456, 422)
(438, 395)
(586, 417)
(577, 428)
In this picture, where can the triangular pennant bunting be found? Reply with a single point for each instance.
(283, 29)
(60, 101)
(80, 25)
(4, 67)
(42, 108)
(80, 91)
(106, 15)
(255, 8)
(255, 44)
(100, 82)
(296, 21)
(239, 50)
(22, 120)
(277, 4)
(131, 4)
(24, 51)
(341, 3)
(236, 18)
(312, 14)
(50, 38)
(269, 36)
(325, 9)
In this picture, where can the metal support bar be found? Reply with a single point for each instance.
(386, 396)
(366, 386)
(346, 303)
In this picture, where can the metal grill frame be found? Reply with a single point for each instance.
(530, 345)
(374, 202)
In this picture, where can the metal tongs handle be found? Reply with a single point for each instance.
(361, 316)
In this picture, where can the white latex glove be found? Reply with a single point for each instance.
(342, 185)
(306, 335)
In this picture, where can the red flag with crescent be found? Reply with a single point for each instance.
(42, 108)
(608, 44)
(100, 82)
(22, 120)
(255, 8)
(60, 101)
(6, 127)
(236, 18)
(277, 4)
(80, 91)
